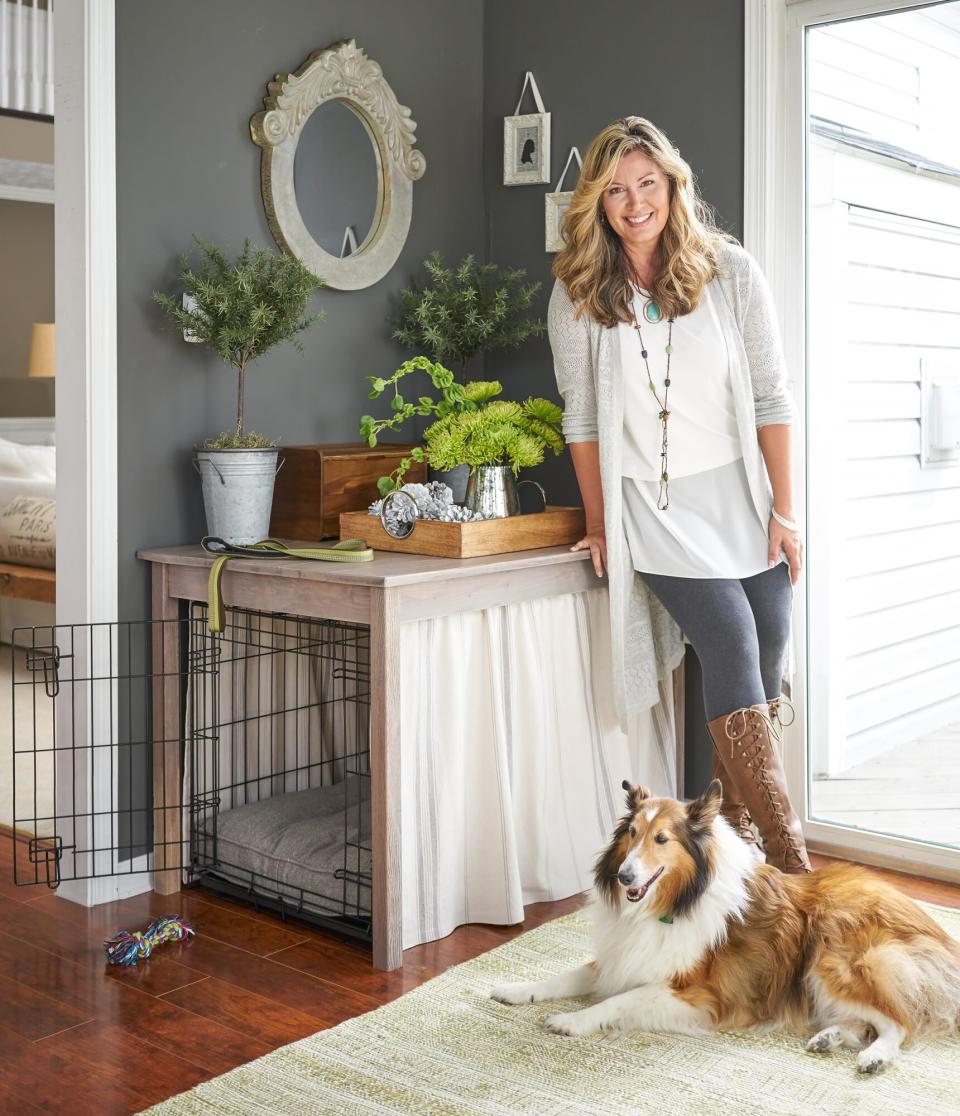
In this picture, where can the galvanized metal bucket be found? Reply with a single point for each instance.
(237, 491)
(495, 491)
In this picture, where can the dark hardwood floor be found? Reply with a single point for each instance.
(79, 1037)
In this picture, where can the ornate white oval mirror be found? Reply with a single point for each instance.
(337, 166)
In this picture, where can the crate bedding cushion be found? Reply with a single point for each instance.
(296, 843)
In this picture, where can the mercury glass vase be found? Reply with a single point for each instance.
(495, 491)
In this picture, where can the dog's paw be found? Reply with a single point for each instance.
(869, 1061)
(522, 992)
(571, 1023)
(825, 1041)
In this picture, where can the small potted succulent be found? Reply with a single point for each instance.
(240, 309)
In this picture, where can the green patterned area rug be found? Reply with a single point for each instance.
(446, 1049)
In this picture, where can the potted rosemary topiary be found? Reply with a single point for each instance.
(240, 309)
(461, 311)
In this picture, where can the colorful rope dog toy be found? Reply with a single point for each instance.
(127, 948)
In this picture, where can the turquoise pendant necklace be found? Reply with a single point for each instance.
(653, 314)
(651, 311)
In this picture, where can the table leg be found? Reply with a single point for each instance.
(167, 774)
(385, 720)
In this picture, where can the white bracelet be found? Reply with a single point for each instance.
(790, 524)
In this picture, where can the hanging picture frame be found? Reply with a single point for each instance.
(555, 205)
(526, 142)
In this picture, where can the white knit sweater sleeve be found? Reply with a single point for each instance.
(573, 367)
(757, 318)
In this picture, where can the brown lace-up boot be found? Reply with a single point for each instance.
(744, 740)
(735, 812)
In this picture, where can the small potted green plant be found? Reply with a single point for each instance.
(461, 311)
(240, 309)
(493, 438)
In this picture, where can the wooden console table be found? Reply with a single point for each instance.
(383, 594)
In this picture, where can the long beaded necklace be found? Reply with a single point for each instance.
(653, 313)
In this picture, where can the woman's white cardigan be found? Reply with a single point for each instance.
(646, 641)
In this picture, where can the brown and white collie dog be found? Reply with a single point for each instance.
(691, 933)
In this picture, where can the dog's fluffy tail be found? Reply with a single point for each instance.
(922, 977)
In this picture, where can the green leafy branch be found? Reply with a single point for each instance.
(454, 399)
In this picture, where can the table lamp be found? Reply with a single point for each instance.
(42, 350)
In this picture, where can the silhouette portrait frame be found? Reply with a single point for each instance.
(526, 149)
(526, 142)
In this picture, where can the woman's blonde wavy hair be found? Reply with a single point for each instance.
(593, 265)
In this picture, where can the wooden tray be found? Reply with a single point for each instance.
(552, 527)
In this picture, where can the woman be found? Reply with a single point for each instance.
(667, 355)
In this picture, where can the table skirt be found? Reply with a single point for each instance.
(513, 759)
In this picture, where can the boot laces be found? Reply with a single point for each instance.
(778, 724)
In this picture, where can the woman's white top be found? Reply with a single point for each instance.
(711, 528)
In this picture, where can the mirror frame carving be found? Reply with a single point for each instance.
(341, 72)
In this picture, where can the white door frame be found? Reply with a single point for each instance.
(86, 384)
(775, 233)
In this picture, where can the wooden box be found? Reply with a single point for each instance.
(551, 527)
(316, 483)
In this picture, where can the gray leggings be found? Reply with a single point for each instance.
(738, 627)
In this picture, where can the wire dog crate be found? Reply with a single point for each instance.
(271, 798)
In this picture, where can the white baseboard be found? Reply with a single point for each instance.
(91, 893)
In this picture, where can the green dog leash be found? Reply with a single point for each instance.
(347, 550)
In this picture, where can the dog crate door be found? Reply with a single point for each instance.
(87, 700)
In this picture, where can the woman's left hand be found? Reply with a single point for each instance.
(792, 545)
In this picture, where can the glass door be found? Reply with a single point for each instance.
(882, 437)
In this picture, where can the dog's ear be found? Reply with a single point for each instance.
(635, 795)
(704, 809)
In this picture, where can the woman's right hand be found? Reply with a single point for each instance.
(596, 541)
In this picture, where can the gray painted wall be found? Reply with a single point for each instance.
(189, 77)
(680, 64)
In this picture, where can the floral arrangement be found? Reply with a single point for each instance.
(472, 426)
(498, 432)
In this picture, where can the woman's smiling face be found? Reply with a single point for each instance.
(637, 201)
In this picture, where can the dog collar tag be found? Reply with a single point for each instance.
(666, 918)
